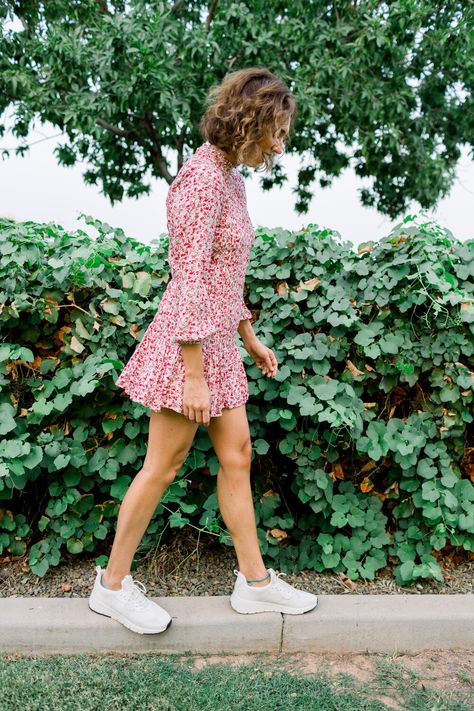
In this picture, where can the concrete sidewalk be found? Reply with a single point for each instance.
(340, 623)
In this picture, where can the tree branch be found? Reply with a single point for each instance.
(156, 153)
(212, 12)
(179, 147)
(176, 7)
(116, 130)
(155, 150)
(28, 145)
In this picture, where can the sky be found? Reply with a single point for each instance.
(34, 187)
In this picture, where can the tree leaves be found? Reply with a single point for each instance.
(388, 93)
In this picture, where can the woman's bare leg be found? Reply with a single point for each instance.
(170, 437)
(230, 437)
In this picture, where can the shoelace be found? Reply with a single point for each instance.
(283, 586)
(135, 595)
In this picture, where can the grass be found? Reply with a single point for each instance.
(173, 683)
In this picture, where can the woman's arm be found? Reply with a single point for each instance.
(196, 392)
(246, 332)
(197, 207)
(192, 357)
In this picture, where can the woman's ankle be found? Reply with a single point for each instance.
(112, 582)
(258, 580)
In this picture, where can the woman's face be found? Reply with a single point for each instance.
(274, 142)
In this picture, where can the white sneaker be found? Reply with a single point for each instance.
(128, 605)
(277, 596)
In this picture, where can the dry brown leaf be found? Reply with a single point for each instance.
(278, 533)
(366, 485)
(353, 369)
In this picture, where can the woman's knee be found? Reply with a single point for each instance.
(238, 457)
(163, 474)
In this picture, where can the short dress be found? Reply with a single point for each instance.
(210, 238)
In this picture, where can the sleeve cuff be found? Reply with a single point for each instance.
(244, 313)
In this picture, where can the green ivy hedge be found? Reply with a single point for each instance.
(363, 452)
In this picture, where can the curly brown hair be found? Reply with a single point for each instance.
(248, 105)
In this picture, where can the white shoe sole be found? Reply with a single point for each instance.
(248, 607)
(102, 609)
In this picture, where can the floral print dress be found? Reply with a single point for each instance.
(210, 238)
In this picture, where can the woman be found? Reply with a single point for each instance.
(188, 369)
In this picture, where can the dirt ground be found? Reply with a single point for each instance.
(443, 671)
(193, 565)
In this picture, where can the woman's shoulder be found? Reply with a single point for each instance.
(199, 172)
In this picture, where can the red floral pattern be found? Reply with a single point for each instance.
(210, 238)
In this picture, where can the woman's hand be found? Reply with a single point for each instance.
(263, 357)
(196, 399)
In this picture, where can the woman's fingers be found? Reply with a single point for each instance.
(201, 415)
(270, 365)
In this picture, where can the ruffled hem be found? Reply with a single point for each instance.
(178, 409)
(154, 376)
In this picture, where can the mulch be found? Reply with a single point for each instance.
(191, 564)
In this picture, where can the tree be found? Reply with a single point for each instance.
(383, 86)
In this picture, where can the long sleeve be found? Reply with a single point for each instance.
(197, 206)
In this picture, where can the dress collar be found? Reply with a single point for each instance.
(219, 156)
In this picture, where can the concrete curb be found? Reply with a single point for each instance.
(340, 623)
